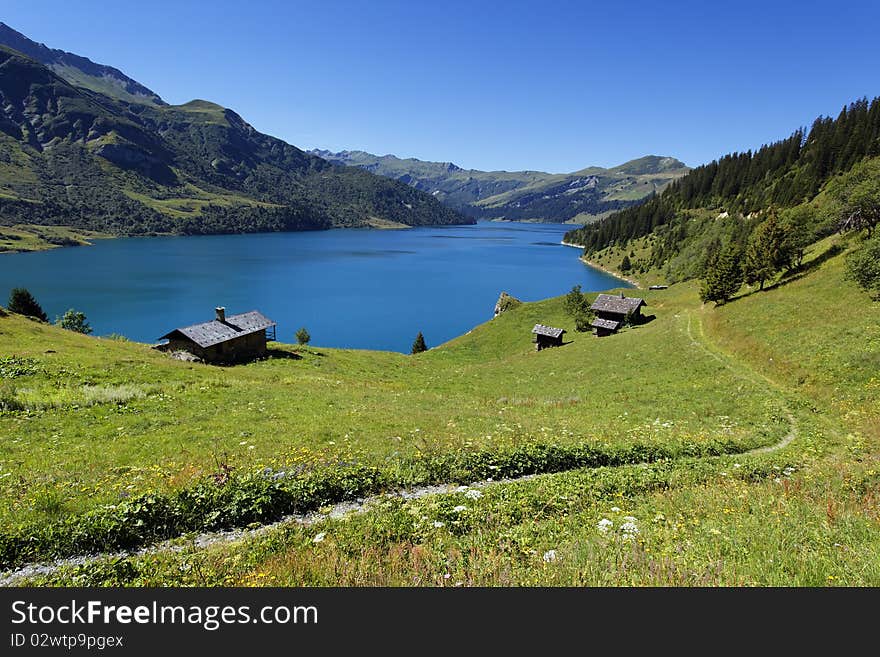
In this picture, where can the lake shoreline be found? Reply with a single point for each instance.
(354, 289)
(610, 272)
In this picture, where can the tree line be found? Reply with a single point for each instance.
(783, 174)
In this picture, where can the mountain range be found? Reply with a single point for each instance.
(579, 197)
(82, 144)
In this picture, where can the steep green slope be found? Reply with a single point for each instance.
(80, 71)
(721, 202)
(524, 195)
(69, 156)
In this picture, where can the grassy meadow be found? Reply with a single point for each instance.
(26, 237)
(735, 445)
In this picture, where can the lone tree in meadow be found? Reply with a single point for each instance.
(625, 265)
(302, 336)
(768, 252)
(22, 302)
(419, 345)
(577, 307)
(74, 320)
(797, 223)
(724, 276)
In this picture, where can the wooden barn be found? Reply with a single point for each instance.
(615, 310)
(224, 339)
(547, 336)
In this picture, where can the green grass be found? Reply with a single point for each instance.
(24, 237)
(187, 206)
(746, 372)
(485, 390)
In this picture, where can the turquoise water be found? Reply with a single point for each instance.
(371, 289)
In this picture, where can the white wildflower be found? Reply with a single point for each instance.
(737, 465)
(319, 537)
(615, 509)
(629, 519)
(473, 494)
(549, 556)
(604, 525)
(459, 508)
(629, 529)
(461, 489)
(438, 524)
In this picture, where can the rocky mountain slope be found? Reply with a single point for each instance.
(70, 155)
(577, 197)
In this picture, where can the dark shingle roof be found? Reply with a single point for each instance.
(540, 329)
(605, 324)
(617, 303)
(215, 331)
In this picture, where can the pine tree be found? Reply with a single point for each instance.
(724, 276)
(303, 336)
(419, 345)
(21, 301)
(577, 307)
(767, 252)
(626, 265)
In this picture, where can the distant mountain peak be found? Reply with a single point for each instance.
(80, 71)
(523, 195)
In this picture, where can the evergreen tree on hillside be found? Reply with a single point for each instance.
(419, 345)
(724, 276)
(783, 174)
(797, 222)
(767, 252)
(578, 308)
(625, 265)
(21, 301)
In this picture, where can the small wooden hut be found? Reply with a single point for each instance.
(224, 339)
(615, 310)
(547, 336)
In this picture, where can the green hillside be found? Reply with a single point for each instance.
(73, 157)
(581, 196)
(808, 183)
(724, 446)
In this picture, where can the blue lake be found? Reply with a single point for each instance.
(371, 289)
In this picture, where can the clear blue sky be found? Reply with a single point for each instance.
(508, 85)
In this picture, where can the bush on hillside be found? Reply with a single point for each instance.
(863, 267)
(74, 320)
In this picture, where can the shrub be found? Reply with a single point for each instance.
(863, 267)
(74, 320)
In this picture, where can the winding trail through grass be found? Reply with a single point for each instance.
(746, 373)
(362, 505)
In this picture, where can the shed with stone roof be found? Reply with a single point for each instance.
(547, 336)
(224, 339)
(615, 310)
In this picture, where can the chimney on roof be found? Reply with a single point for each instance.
(221, 313)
